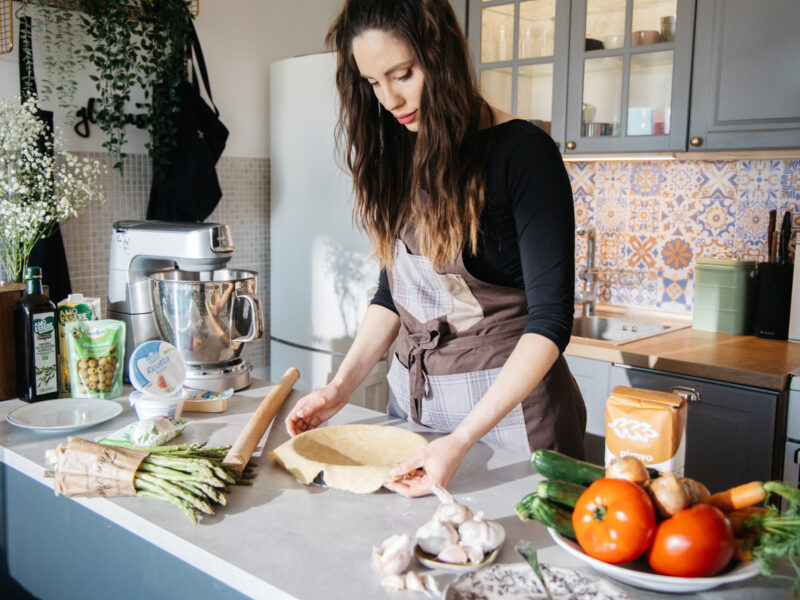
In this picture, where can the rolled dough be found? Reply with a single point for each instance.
(356, 458)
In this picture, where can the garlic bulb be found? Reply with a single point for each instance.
(393, 582)
(394, 554)
(453, 554)
(433, 535)
(481, 533)
(449, 510)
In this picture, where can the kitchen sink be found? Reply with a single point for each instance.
(617, 331)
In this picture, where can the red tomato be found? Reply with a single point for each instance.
(614, 520)
(696, 542)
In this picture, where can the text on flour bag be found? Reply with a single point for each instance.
(649, 425)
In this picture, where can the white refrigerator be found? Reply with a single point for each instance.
(321, 276)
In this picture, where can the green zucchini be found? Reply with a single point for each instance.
(548, 513)
(562, 492)
(524, 508)
(555, 465)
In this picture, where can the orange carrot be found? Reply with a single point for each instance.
(738, 517)
(740, 496)
(743, 547)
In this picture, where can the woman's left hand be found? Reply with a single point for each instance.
(439, 461)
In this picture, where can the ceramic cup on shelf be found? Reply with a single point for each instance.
(668, 28)
(644, 37)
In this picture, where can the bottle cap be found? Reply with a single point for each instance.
(33, 272)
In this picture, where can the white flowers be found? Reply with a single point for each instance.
(37, 190)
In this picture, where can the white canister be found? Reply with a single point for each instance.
(148, 407)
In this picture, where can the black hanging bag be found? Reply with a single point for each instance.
(48, 253)
(188, 189)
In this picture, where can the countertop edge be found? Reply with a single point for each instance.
(214, 566)
(619, 354)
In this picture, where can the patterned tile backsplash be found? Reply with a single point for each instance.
(653, 219)
(244, 207)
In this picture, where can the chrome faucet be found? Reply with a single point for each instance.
(587, 297)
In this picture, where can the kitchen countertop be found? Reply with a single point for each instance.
(282, 539)
(742, 359)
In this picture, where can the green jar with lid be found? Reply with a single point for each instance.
(724, 295)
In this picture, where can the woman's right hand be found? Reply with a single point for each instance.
(314, 409)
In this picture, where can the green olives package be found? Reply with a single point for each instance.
(96, 354)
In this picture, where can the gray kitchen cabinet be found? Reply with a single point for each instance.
(593, 379)
(629, 75)
(730, 429)
(746, 75)
(598, 75)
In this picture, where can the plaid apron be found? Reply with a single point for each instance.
(456, 332)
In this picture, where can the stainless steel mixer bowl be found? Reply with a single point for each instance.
(209, 315)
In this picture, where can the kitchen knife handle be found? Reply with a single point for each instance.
(786, 234)
(241, 451)
(771, 243)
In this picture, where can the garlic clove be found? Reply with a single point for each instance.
(415, 583)
(393, 582)
(475, 555)
(394, 555)
(432, 536)
(432, 586)
(453, 554)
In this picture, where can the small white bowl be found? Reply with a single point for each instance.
(148, 407)
(432, 562)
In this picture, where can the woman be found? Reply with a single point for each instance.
(470, 212)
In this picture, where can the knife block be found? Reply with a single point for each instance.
(773, 300)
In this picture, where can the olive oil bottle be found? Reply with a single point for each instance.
(35, 341)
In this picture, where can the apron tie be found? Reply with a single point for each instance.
(420, 343)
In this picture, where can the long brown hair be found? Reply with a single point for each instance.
(390, 165)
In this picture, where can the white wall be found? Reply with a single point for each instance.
(240, 38)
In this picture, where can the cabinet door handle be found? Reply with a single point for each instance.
(695, 142)
(570, 145)
(687, 393)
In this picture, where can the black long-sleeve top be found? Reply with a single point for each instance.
(526, 229)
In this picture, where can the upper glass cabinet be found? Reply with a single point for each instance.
(598, 75)
(521, 51)
(629, 75)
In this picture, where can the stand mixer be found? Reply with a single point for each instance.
(168, 281)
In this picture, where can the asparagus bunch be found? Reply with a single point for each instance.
(190, 476)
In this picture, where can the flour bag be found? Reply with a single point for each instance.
(649, 425)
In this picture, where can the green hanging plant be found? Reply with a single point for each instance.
(127, 44)
(55, 27)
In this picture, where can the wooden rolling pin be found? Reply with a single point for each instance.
(242, 450)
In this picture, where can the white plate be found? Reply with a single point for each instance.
(430, 561)
(638, 573)
(517, 581)
(64, 414)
